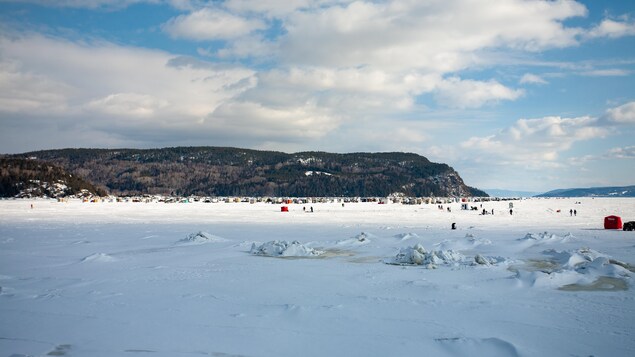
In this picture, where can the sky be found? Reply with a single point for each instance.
(513, 94)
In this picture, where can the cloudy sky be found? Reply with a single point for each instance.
(514, 94)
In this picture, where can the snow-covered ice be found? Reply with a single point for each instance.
(283, 248)
(418, 255)
(582, 269)
(118, 279)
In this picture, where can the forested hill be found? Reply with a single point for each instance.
(222, 171)
(31, 178)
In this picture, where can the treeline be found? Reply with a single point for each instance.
(223, 171)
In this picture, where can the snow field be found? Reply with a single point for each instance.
(112, 279)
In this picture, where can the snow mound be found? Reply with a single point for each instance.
(418, 255)
(469, 242)
(406, 236)
(278, 248)
(582, 269)
(464, 346)
(477, 241)
(531, 239)
(200, 238)
(360, 239)
(99, 258)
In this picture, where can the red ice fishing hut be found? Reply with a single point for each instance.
(612, 222)
(286, 209)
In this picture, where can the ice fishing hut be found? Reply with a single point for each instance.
(612, 222)
(284, 209)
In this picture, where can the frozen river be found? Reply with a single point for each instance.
(197, 279)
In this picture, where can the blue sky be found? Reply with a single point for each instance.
(514, 94)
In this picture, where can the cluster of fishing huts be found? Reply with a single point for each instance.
(290, 200)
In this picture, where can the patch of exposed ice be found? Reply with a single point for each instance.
(200, 238)
(283, 248)
(418, 255)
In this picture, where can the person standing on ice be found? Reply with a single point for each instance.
(511, 212)
(570, 212)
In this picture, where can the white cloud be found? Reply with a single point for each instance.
(612, 29)
(535, 142)
(89, 4)
(22, 91)
(529, 78)
(254, 46)
(112, 4)
(357, 80)
(102, 86)
(258, 121)
(438, 36)
(362, 54)
(270, 7)
(128, 105)
(457, 93)
(350, 92)
(547, 147)
(211, 24)
(613, 72)
(620, 153)
(627, 152)
(624, 114)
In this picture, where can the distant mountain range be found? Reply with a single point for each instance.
(623, 191)
(510, 193)
(223, 171)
